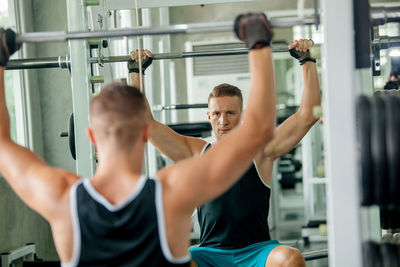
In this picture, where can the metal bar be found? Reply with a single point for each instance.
(184, 106)
(22, 252)
(206, 27)
(380, 15)
(386, 42)
(313, 255)
(384, 14)
(62, 62)
(81, 91)
(341, 84)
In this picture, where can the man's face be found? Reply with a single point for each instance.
(224, 114)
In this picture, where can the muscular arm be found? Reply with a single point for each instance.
(292, 130)
(40, 186)
(167, 141)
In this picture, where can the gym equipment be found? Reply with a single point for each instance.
(314, 255)
(378, 148)
(379, 15)
(378, 131)
(364, 136)
(179, 106)
(63, 62)
(206, 27)
(371, 254)
(392, 113)
(71, 135)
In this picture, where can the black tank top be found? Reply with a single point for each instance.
(128, 234)
(239, 217)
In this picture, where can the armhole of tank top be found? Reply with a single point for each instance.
(76, 247)
(259, 175)
(205, 148)
(162, 233)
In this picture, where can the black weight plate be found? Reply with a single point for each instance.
(378, 149)
(367, 184)
(384, 214)
(371, 254)
(71, 135)
(392, 107)
(389, 257)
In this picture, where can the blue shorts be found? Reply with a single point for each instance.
(253, 255)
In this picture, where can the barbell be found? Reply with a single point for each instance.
(191, 28)
(379, 15)
(64, 62)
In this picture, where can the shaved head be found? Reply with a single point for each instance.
(118, 114)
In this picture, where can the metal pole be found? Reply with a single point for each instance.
(64, 62)
(61, 62)
(81, 93)
(341, 84)
(317, 254)
(386, 42)
(384, 14)
(206, 27)
(379, 15)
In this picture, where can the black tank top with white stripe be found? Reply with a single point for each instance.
(239, 217)
(128, 234)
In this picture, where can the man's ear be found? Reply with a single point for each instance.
(89, 132)
(209, 115)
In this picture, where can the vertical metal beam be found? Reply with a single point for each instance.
(77, 21)
(341, 84)
(165, 47)
(148, 81)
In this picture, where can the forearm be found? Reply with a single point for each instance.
(4, 116)
(134, 78)
(135, 82)
(311, 92)
(293, 129)
(262, 96)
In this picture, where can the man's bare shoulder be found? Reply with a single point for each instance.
(196, 144)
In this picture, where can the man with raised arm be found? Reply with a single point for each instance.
(119, 217)
(234, 228)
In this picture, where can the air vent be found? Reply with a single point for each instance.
(216, 65)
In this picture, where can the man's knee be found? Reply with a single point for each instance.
(284, 256)
(193, 263)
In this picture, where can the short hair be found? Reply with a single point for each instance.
(118, 113)
(226, 89)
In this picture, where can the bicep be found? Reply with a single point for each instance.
(173, 145)
(286, 136)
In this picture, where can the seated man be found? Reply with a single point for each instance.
(119, 217)
(236, 223)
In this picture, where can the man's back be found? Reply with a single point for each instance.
(130, 233)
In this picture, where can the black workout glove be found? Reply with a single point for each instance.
(254, 30)
(133, 65)
(301, 56)
(7, 45)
